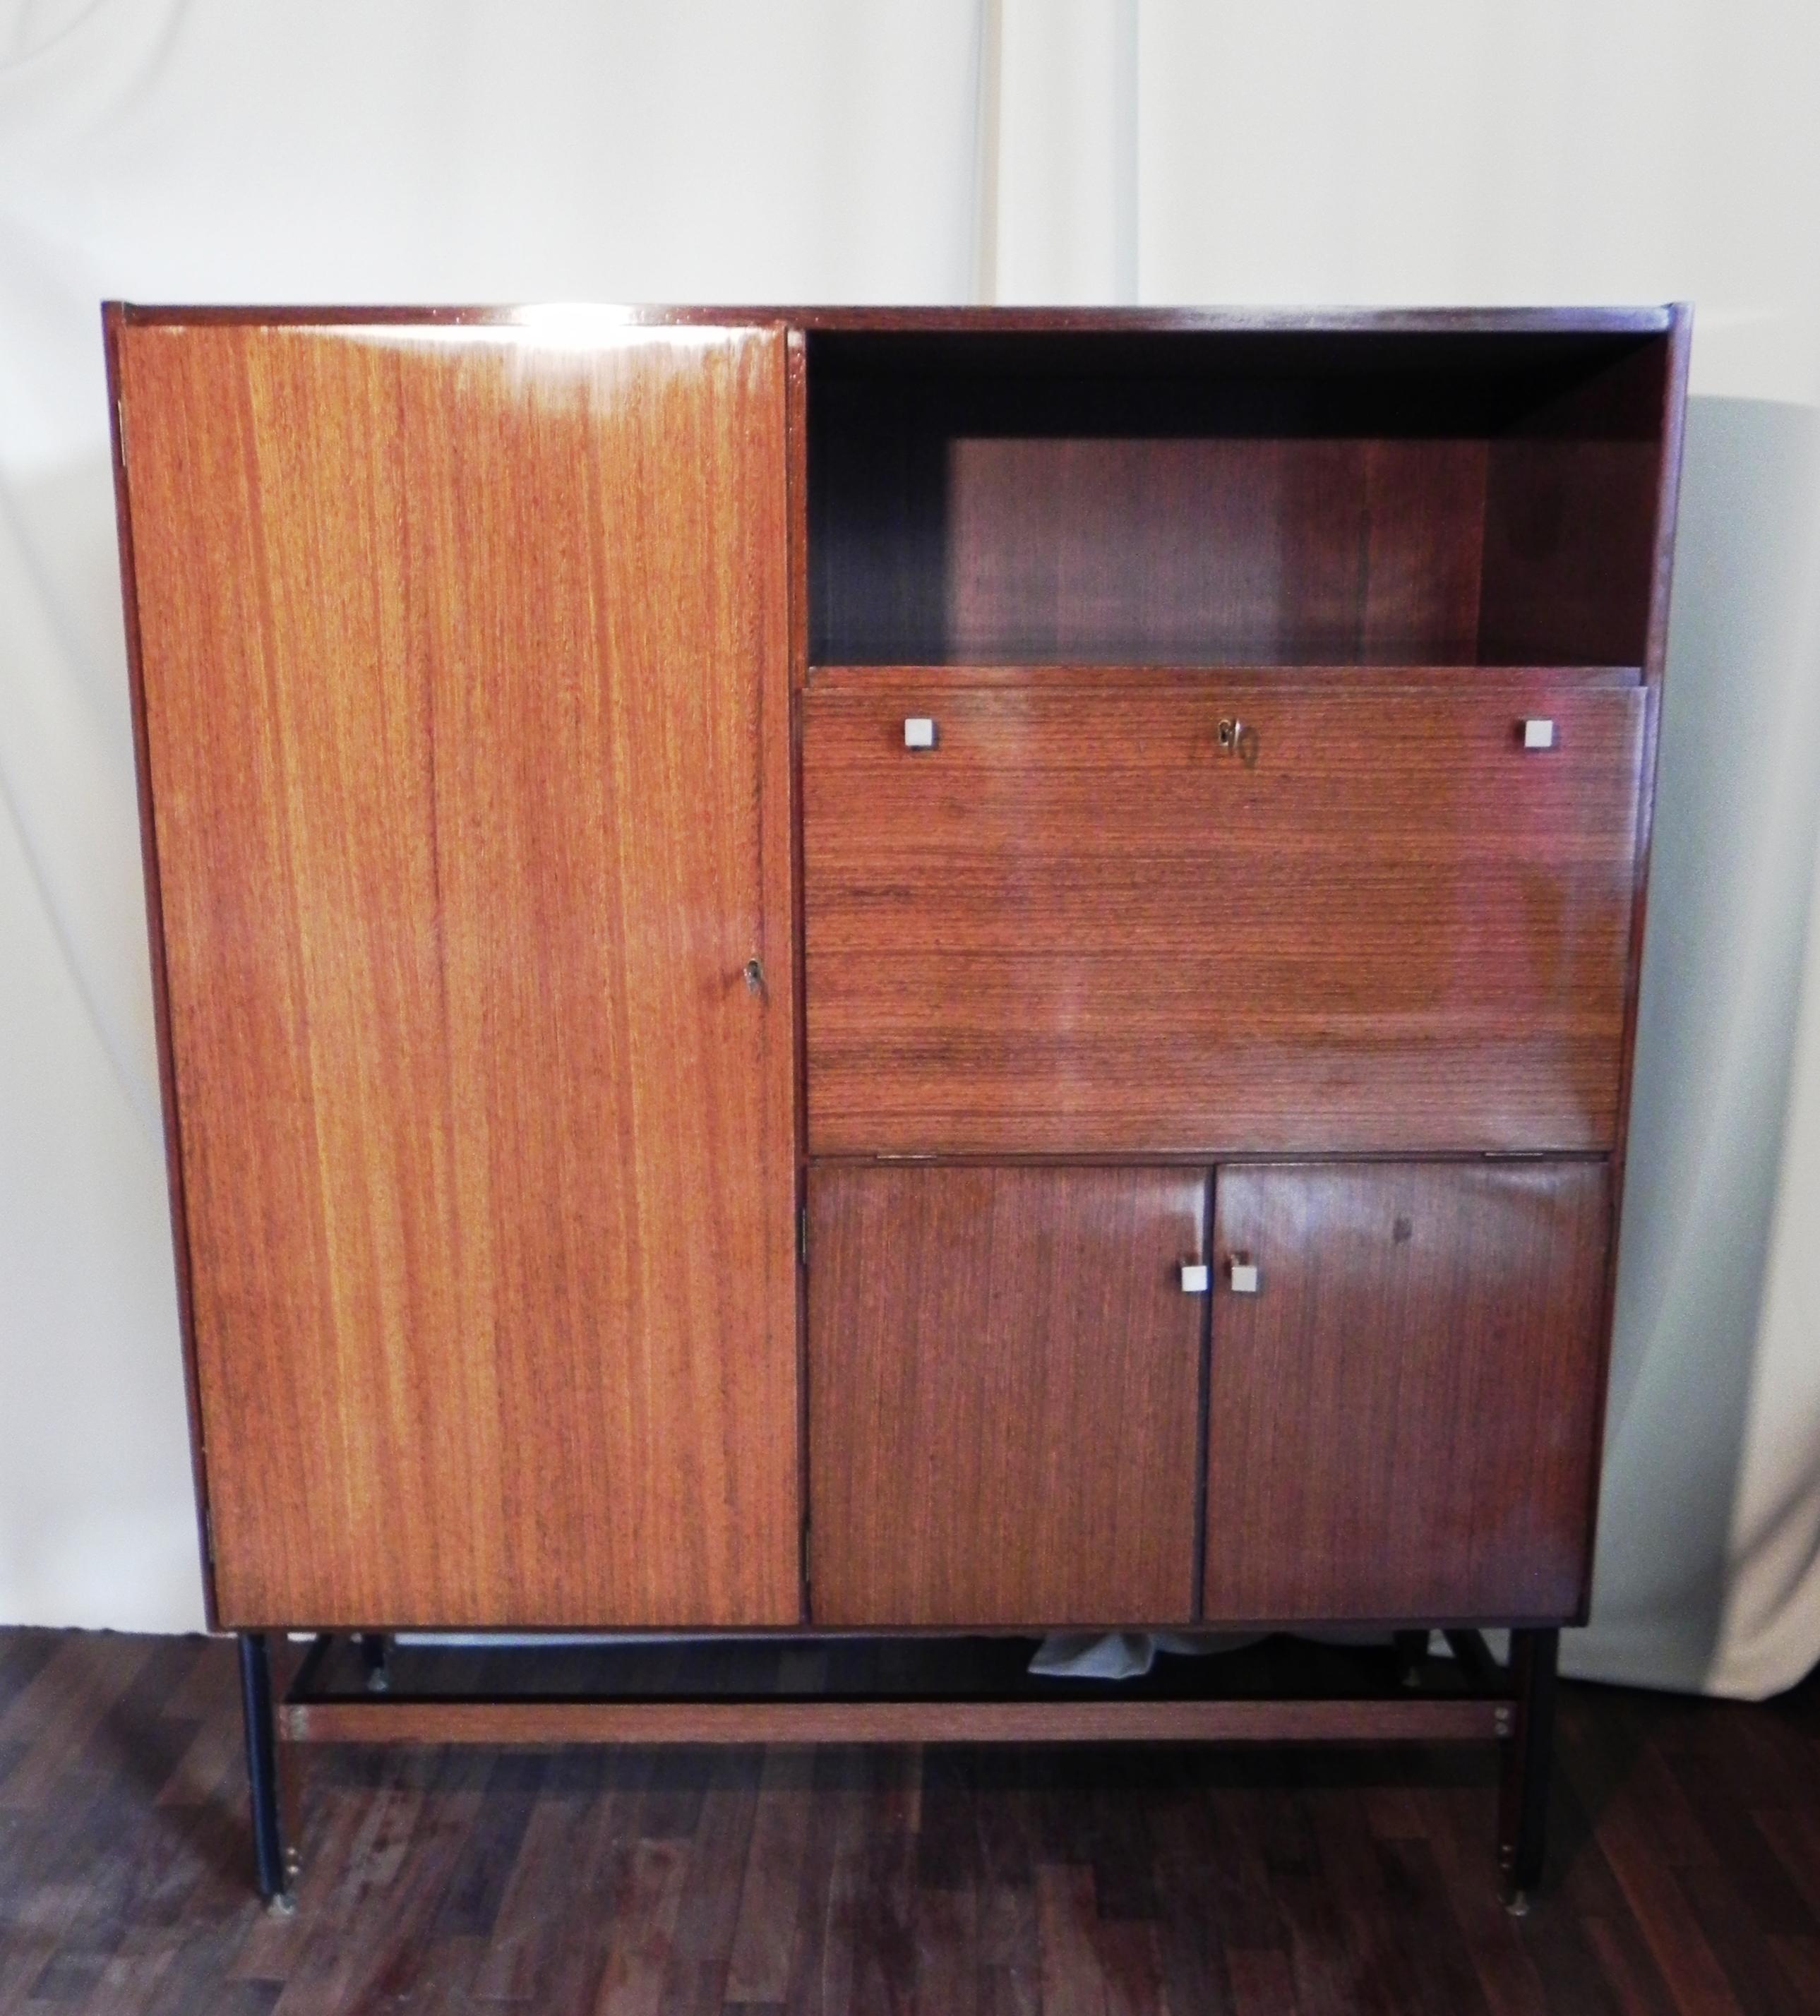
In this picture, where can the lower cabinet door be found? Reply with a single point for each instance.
(1003, 1395)
(1402, 1401)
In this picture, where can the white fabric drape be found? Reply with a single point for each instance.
(1155, 150)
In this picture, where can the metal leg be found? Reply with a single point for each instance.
(1411, 1650)
(262, 1770)
(290, 1771)
(372, 1653)
(1522, 1807)
(1478, 1669)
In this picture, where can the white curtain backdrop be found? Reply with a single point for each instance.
(1060, 150)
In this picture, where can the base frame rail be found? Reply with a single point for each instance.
(349, 1689)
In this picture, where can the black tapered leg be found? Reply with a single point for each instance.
(1411, 1650)
(262, 1768)
(1528, 1750)
(373, 1651)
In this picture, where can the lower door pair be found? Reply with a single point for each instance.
(1026, 1411)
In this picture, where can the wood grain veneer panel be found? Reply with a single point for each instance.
(464, 666)
(948, 531)
(1075, 927)
(1212, 550)
(1005, 1378)
(1402, 1421)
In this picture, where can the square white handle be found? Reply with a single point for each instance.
(919, 732)
(1194, 1280)
(1538, 734)
(1244, 1277)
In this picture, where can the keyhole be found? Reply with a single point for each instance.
(755, 976)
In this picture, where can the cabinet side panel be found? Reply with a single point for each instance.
(1402, 1418)
(113, 319)
(465, 681)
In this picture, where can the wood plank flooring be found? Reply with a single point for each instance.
(1684, 1873)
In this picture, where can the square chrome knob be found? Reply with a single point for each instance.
(1194, 1280)
(919, 732)
(1244, 1277)
(1538, 733)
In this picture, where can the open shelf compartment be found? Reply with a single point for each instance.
(1296, 498)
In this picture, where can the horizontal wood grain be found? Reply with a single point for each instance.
(1076, 926)
(1438, 1719)
(1402, 1420)
(1003, 1394)
(465, 679)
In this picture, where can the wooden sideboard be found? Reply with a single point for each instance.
(897, 972)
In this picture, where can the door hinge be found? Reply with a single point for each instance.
(802, 1235)
(120, 428)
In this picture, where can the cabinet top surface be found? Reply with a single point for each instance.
(1639, 321)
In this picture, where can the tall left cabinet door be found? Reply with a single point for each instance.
(462, 669)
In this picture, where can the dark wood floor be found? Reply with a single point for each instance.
(1684, 1874)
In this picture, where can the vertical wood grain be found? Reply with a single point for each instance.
(1004, 1381)
(1401, 1421)
(464, 657)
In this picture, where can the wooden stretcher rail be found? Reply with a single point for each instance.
(397, 1720)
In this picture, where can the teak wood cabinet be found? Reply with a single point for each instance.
(889, 972)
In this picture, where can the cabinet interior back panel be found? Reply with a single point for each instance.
(486, 1144)
(1267, 552)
